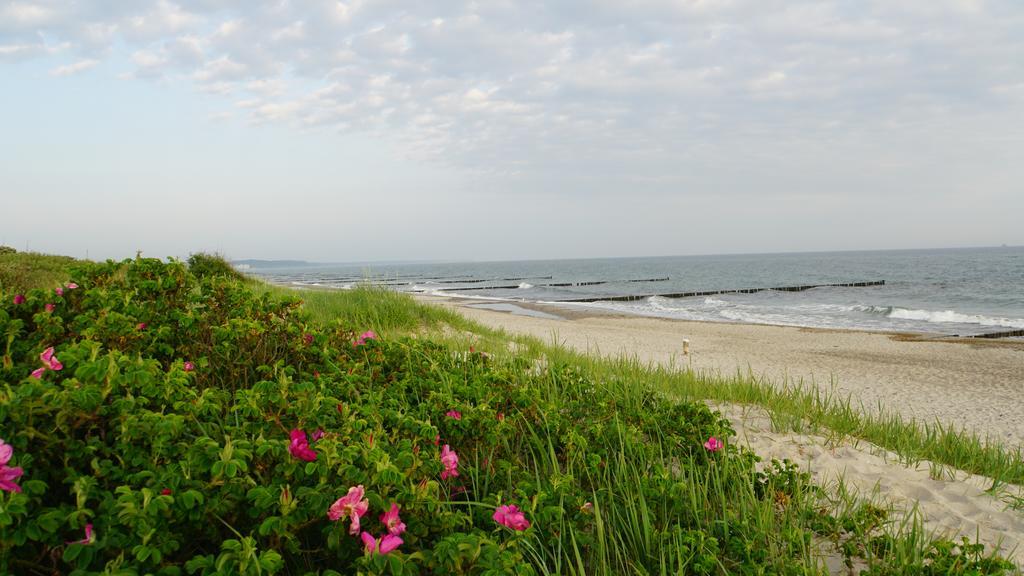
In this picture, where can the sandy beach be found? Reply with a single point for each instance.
(976, 384)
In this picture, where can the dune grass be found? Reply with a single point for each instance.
(808, 408)
(376, 308)
(22, 271)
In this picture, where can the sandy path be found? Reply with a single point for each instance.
(979, 385)
(952, 506)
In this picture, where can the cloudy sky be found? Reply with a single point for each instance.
(397, 130)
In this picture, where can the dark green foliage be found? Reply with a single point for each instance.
(203, 265)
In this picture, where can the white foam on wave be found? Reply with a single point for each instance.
(525, 286)
(952, 317)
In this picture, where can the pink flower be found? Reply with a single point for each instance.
(391, 520)
(188, 366)
(713, 444)
(307, 339)
(59, 291)
(140, 326)
(351, 505)
(511, 517)
(437, 439)
(384, 545)
(299, 446)
(19, 299)
(90, 536)
(368, 335)
(72, 286)
(318, 434)
(50, 360)
(454, 414)
(450, 461)
(8, 474)
(49, 307)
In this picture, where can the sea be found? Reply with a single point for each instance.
(947, 292)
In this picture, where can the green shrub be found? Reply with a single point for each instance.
(204, 265)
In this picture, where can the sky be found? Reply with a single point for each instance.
(494, 130)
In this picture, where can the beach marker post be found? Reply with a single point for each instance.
(686, 347)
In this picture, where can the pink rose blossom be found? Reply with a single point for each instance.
(450, 461)
(8, 474)
(318, 434)
(140, 326)
(385, 544)
(19, 299)
(511, 517)
(352, 505)
(299, 446)
(49, 307)
(454, 414)
(90, 536)
(188, 366)
(72, 286)
(49, 361)
(713, 444)
(391, 520)
(59, 291)
(48, 358)
(368, 335)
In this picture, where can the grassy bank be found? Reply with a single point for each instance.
(22, 271)
(197, 423)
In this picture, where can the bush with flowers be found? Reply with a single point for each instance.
(159, 422)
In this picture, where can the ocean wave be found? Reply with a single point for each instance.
(945, 317)
(525, 286)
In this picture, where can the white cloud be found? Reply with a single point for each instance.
(25, 15)
(546, 90)
(75, 68)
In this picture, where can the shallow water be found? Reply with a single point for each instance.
(947, 292)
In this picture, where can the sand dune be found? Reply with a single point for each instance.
(952, 504)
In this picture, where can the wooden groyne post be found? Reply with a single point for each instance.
(635, 297)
